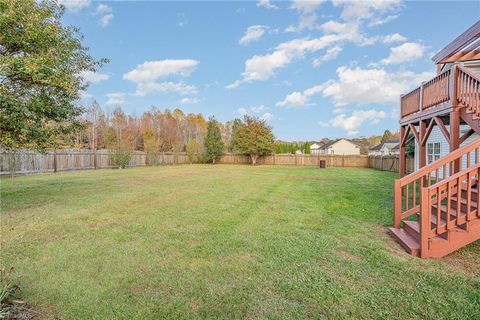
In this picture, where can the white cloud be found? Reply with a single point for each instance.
(308, 17)
(395, 37)
(258, 109)
(352, 123)
(115, 98)
(93, 77)
(350, 31)
(331, 54)
(75, 5)
(189, 101)
(376, 85)
(253, 33)
(266, 4)
(105, 20)
(262, 67)
(406, 52)
(105, 13)
(144, 88)
(366, 10)
(242, 111)
(153, 70)
(300, 99)
(379, 21)
(102, 9)
(146, 75)
(267, 116)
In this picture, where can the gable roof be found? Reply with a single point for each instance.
(393, 140)
(331, 143)
(377, 147)
(390, 144)
(468, 43)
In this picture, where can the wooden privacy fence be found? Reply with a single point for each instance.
(389, 163)
(26, 161)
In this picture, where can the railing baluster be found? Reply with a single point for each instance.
(439, 208)
(459, 198)
(406, 196)
(469, 196)
(425, 227)
(414, 194)
(449, 204)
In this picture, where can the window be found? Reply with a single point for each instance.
(433, 152)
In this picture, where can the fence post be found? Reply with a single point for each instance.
(54, 160)
(95, 158)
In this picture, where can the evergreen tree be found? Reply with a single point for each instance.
(386, 135)
(307, 148)
(213, 142)
(237, 123)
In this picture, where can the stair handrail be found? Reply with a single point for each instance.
(401, 208)
(452, 156)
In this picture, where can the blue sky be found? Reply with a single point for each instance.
(312, 69)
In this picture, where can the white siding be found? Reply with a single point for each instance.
(437, 136)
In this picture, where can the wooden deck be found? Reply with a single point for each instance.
(436, 207)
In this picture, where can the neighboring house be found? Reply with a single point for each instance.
(315, 148)
(388, 148)
(340, 147)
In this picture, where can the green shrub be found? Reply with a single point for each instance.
(121, 158)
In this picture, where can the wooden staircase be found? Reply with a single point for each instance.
(436, 208)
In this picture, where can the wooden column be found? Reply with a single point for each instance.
(455, 136)
(401, 163)
(422, 145)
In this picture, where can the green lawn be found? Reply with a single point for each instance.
(223, 241)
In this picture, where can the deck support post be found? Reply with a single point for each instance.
(455, 137)
(422, 144)
(401, 160)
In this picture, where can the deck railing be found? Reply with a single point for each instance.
(468, 90)
(458, 83)
(436, 90)
(410, 103)
(408, 190)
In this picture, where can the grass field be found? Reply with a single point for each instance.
(223, 241)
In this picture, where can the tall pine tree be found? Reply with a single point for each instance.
(213, 142)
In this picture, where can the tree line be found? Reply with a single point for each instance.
(42, 62)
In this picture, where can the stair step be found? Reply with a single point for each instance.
(443, 208)
(411, 245)
(412, 228)
(473, 203)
